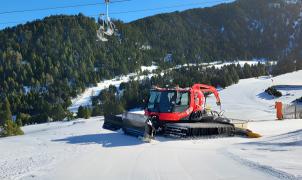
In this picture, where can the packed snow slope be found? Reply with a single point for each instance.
(81, 149)
(247, 99)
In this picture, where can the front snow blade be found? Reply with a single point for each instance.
(134, 124)
(113, 122)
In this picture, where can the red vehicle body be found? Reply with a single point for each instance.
(180, 103)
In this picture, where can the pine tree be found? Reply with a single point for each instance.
(19, 122)
(5, 112)
(58, 113)
(81, 112)
(87, 113)
(84, 112)
(11, 129)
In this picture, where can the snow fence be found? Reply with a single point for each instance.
(292, 111)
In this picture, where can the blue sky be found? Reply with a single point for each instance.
(11, 19)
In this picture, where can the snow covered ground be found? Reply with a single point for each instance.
(241, 63)
(279, 151)
(249, 97)
(81, 149)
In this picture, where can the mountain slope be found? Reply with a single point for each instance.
(46, 62)
(243, 29)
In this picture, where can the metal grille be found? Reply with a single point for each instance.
(293, 111)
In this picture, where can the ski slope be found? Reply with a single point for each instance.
(248, 96)
(84, 99)
(81, 149)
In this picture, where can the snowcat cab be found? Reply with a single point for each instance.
(178, 104)
(168, 102)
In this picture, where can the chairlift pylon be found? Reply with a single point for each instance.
(106, 25)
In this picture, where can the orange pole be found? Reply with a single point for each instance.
(278, 106)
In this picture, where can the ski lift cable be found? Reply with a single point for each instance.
(168, 7)
(60, 7)
(107, 9)
(131, 11)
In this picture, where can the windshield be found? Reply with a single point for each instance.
(168, 101)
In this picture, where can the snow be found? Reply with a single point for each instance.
(242, 63)
(26, 89)
(84, 99)
(81, 149)
(284, 149)
(220, 64)
(254, 104)
(149, 68)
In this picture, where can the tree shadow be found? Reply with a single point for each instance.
(265, 96)
(109, 140)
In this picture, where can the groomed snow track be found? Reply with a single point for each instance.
(191, 130)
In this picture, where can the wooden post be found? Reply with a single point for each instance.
(278, 106)
(296, 111)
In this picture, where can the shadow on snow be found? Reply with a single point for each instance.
(106, 140)
(264, 95)
(288, 88)
(288, 139)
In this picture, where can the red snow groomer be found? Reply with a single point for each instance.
(181, 112)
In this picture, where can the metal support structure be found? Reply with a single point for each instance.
(107, 28)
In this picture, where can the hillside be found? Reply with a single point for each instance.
(239, 30)
(47, 62)
(81, 149)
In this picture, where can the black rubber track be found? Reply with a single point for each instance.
(191, 130)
